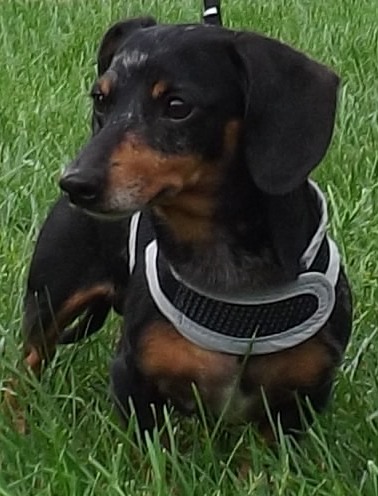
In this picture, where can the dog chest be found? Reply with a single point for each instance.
(227, 384)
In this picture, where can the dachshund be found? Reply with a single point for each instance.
(191, 213)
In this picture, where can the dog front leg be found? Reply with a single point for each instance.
(134, 393)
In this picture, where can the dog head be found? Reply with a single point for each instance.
(173, 104)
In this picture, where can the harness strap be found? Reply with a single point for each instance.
(212, 12)
(134, 223)
(257, 323)
(260, 324)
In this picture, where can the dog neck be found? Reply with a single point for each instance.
(249, 241)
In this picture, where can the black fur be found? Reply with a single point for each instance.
(264, 214)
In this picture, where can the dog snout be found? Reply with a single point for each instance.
(82, 190)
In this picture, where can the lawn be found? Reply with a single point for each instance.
(75, 446)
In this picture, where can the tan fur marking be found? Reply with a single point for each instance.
(35, 352)
(105, 84)
(297, 367)
(33, 360)
(164, 352)
(187, 184)
(231, 137)
(189, 215)
(82, 299)
(134, 162)
(174, 363)
(159, 89)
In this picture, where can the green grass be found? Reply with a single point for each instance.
(75, 447)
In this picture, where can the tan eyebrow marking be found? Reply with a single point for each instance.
(158, 89)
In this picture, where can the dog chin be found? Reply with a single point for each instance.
(110, 215)
(106, 215)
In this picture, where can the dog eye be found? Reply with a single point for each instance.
(99, 99)
(177, 109)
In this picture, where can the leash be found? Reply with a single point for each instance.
(212, 12)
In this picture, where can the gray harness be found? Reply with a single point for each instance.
(258, 323)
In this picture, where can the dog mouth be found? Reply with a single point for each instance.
(109, 215)
(113, 210)
(102, 214)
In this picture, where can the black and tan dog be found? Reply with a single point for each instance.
(190, 212)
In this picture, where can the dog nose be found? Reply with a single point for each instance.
(81, 190)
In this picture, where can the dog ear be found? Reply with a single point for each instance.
(290, 112)
(115, 36)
